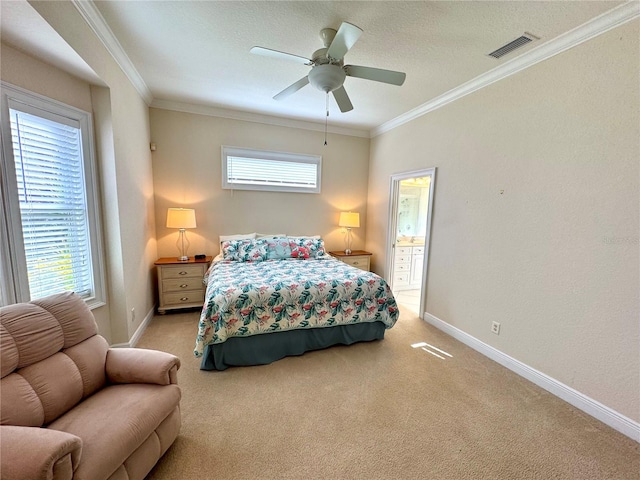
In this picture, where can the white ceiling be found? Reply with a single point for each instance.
(197, 52)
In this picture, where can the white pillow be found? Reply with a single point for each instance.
(305, 236)
(270, 235)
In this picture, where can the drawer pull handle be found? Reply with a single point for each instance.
(184, 285)
(356, 263)
(182, 273)
(184, 299)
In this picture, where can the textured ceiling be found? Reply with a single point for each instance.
(197, 52)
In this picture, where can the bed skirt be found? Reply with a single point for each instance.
(269, 347)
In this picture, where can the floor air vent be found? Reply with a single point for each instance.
(511, 46)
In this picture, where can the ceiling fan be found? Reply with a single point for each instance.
(328, 71)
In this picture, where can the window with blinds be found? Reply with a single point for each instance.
(53, 209)
(49, 210)
(246, 169)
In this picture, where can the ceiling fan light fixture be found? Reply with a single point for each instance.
(328, 71)
(327, 78)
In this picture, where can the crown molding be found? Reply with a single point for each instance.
(594, 27)
(254, 117)
(96, 21)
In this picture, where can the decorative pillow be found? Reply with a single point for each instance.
(278, 248)
(315, 246)
(247, 250)
(301, 253)
(238, 236)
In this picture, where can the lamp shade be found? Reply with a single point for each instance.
(181, 218)
(349, 220)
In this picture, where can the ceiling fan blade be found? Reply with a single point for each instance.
(345, 38)
(267, 52)
(342, 99)
(375, 74)
(291, 89)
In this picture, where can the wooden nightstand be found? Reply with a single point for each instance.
(180, 283)
(358, 258)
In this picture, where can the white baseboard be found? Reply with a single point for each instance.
(610, 417)
(139, 331)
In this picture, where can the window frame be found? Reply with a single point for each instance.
(228, 151)
(13, 266)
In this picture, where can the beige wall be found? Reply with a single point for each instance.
(122, 121)
(536, 214)
(187, 173)
(31, 74)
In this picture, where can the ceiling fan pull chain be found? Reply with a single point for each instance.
(326, 120)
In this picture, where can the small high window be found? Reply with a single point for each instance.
(246, 169)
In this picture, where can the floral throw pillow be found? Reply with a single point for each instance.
(278, 248)
(301, 253)
(314, 246)
(247, 250)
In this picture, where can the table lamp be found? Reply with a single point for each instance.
(182, 218)
(349, 220)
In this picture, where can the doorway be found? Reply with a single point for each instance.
(410, 210)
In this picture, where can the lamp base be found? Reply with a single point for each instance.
(347, 250)
(183, 245)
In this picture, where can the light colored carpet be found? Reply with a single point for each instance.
(378, 410)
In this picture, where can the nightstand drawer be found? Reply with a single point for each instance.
(182, 284)
(182, 271)
(183, 298)
(361, 262)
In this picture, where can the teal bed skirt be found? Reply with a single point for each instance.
(267, 348)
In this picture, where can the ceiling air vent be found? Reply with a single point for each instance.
(511, 46)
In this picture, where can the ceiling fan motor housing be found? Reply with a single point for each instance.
(327, 78)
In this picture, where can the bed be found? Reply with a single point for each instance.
(268, 298)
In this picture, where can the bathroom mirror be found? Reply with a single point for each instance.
(412, 210)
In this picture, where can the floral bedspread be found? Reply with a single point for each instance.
(250, 298)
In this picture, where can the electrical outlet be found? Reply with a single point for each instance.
(133, 315)
(495, 328)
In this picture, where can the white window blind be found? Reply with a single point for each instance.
(246, 169)
(53, 206)
(49, 211)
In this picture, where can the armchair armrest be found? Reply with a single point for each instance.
(138, 365)
(33, 453)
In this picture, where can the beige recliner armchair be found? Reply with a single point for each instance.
(71, 407)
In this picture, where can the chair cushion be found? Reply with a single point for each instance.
(114, 422)
(73, 315)
(31, 332)
(39, 393)
(57, 382)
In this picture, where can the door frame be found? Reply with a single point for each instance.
(392, 228)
